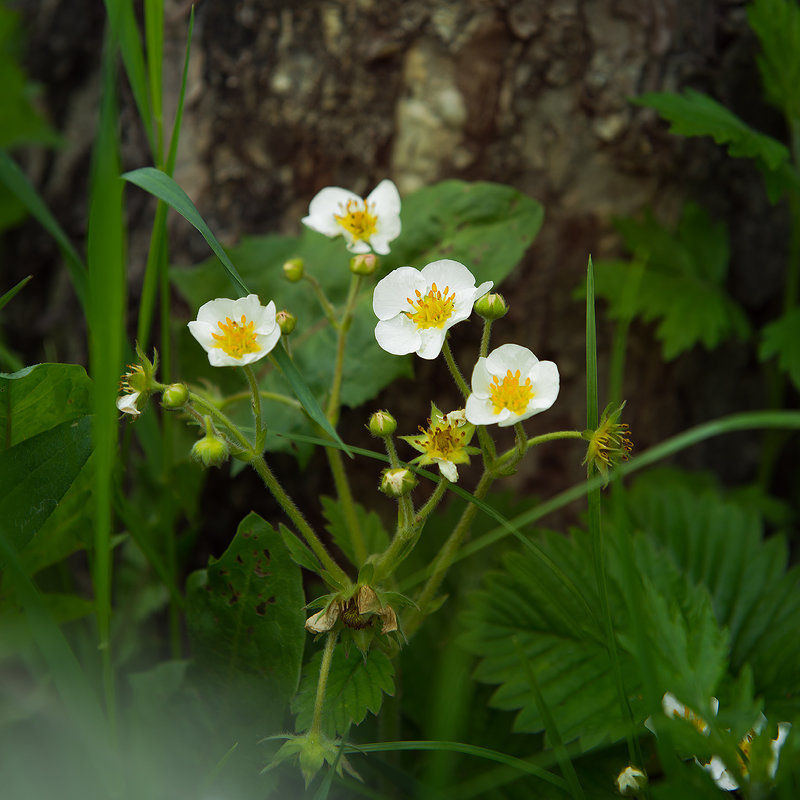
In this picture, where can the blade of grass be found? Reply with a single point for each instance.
(18, 184)
(11, 293)
(468, 749)
(154, 37)
(126, 32)
(106, 314)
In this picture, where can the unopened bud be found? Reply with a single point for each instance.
(212, 450)
(397, 481)
(382, 423)
(175, 396)
(364, 263)
(491, 306)
(286, 322)
(293, 270)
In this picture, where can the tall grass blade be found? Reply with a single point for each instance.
(17, 182)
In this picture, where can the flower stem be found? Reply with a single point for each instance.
(224, 421)
(454, 370)
(487, 329)
(293, 512)
(322, 683)
(261, 430)
(535, 440)
(446, 555)
(335, 462)
(323, 300)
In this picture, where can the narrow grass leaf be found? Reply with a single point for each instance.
(11, 293)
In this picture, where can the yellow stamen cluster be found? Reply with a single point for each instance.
(698, 722)
(433, 309)
(132, 380)
(442, 441)
(510, 393)
(358, 221)
(237, 338)
(745, 746)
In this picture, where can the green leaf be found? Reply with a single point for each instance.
(777, 25)
(300, 552)
(36, 473)
(781, 338)
(40, 397)
(721, 545)
(697, 114)
(11, 293)
(681, 285)
(246, 620)
(355, 685)
(376, 538)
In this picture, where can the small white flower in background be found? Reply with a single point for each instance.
(365, 224)
(416, 308)
(236, 332)
(674, 708)
(631, 780)
(126, 403)
(510, 385)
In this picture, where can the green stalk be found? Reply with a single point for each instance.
(338, 472)
(326, 305)
(487, 331)
(255, 397)
(293, 512)
(595, 516)
(446, 556)
(322, 683)
(454, 370)
(276, 397)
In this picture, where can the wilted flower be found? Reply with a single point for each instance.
(416, 308)
(365, 224)
(355, 612)
(631, 780)
(236, 332)
(324, 620)
(137, 384)
(444, 442)
(510, 385)
(609, 444)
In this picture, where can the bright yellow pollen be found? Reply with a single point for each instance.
(441, 442)
(509, 394)
(433, 309)
(237, 338)
(357, 221)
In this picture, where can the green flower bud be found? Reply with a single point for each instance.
(175, 396)
(364, 264)
(294, 269)
(491, 306)
(382, 423)
(212, 450)
(397, 481)
(286, 321)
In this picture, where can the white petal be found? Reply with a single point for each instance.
(511, 357)
(323, 620)
(672, 706)
(356, 246)
(392, 292)
(776, 744)
(202, 331)
(448, 469)
(447, 272)
(379, 241)
(545, 381)
(126, 403)
(719, 772)
(480, 411)
(431, 342)
(481, 380)
(398, 336)
(386, 199)
(326, 204)
(215, 310)
(267, 342)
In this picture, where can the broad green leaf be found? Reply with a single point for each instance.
(36, 473)
(777, 25)
(376, 538)
(300, 552)
(246, 619)
(781, 338)
(697, 114)
(681, 285)
(40, 397)
(355, 685)
(721, 545)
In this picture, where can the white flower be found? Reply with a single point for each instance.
(674, 708)
(631, 780)
(417, 307)
(365, 224)
(236, 332)
(126, 403)
(510, 385)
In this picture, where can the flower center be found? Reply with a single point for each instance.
(441, 442)
(237, 338)
(509, 394)
(433, 309)
(357, 221)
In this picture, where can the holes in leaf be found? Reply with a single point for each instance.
(261, 608)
